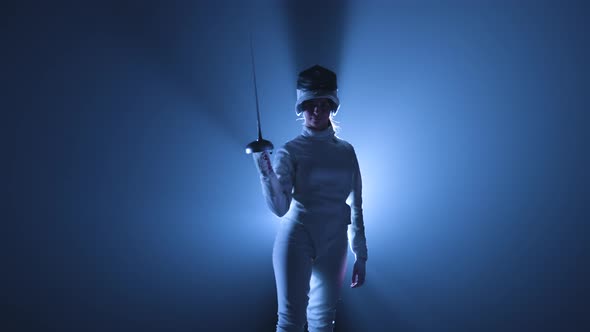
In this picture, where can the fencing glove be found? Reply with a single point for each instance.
(263, 164)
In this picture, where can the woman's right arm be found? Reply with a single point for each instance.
(277, 183)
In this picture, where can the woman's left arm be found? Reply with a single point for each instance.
(356, 230)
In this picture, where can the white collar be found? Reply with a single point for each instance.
(319, 134)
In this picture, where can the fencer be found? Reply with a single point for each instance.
(308, 185)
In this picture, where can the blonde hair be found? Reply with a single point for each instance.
(335, 123)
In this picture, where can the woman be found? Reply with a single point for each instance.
(313, 176)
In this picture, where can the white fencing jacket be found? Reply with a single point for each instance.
(314, 175)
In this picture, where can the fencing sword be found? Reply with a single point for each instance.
(260, 144)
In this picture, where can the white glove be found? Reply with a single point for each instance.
(358, 273)
(263, 164)
(276, 185)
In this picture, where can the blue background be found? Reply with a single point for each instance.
(131, 205)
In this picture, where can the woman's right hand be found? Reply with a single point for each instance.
(263, 164)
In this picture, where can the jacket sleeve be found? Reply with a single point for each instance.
(356, 230)
(277, 185)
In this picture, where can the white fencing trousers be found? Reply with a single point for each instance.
(309, 263)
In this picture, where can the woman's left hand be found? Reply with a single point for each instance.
(358, 273)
